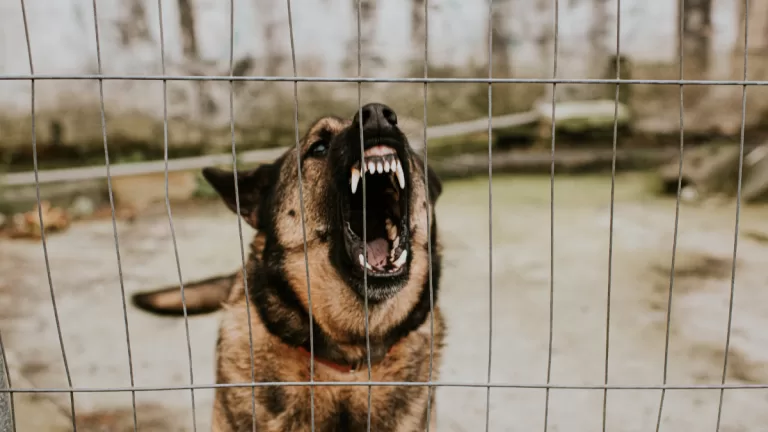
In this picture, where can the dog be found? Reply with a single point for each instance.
(395, 273)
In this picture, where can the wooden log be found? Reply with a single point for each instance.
(566, 161)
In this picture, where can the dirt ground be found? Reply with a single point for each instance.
(86, 283)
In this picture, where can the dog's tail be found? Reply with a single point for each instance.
(201, 297)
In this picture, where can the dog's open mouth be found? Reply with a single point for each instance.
(386, 230)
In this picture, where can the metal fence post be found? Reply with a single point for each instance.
(6, 408)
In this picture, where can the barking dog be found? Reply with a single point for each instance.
(402, 302)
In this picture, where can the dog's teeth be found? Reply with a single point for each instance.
(400, 175)
(392, 177)
(386, 166)
(364, 263)
(400, 261)
(371, 167)
(355, 179)
(391, 230)
(379, 167)
(395, 243)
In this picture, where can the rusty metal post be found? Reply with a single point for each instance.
(6, 407)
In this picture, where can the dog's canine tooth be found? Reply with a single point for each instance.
(355, 179)
(364, 263)
(400, 261)
(391, 229)
(400, 175)
(395, 243)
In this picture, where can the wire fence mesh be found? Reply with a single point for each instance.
(7, 391)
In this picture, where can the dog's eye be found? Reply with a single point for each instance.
(318, 149)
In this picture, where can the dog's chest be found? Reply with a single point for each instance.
(392, 409)
(336, 409)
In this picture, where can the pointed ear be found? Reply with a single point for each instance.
(435, 185)
(251, 188)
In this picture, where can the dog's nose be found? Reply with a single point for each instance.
(376, 117)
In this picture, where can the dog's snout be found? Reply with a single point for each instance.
(376, 117)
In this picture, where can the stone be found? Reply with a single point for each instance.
(82, 207)
(138, 192)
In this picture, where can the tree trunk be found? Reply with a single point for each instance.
(187, 24)
(599, 52)
(418, 32)
(546, 43)
(503, 94)
(369, 58)
(499, 38)
(758, 41)
(722, 108)
(275, 57)
(697, 30)
(204, 105)
(133, 26)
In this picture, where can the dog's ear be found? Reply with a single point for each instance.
(435, 185)
(251, 188)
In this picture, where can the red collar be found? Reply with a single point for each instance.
(344, 368)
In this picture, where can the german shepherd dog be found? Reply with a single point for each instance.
(405, 322)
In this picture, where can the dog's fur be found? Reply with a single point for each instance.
(402, 312)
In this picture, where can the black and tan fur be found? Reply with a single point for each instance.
(399, 317)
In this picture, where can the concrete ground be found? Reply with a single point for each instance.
(85, 280)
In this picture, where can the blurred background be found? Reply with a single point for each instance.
(624, 249)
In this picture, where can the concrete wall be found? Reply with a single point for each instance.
(196, 35)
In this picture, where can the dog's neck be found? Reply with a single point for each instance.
(286, 318)
(344, 367)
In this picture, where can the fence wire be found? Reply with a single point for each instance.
(552, 219)
(8, 391)
(613, 200)
(677, 225)
(40, 219)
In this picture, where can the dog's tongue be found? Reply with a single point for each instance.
(377, 252)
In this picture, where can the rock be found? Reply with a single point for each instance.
(718, 170)
(82, 207)
(708, 170)
(28, 224)
(138, 192)
(689, 194)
